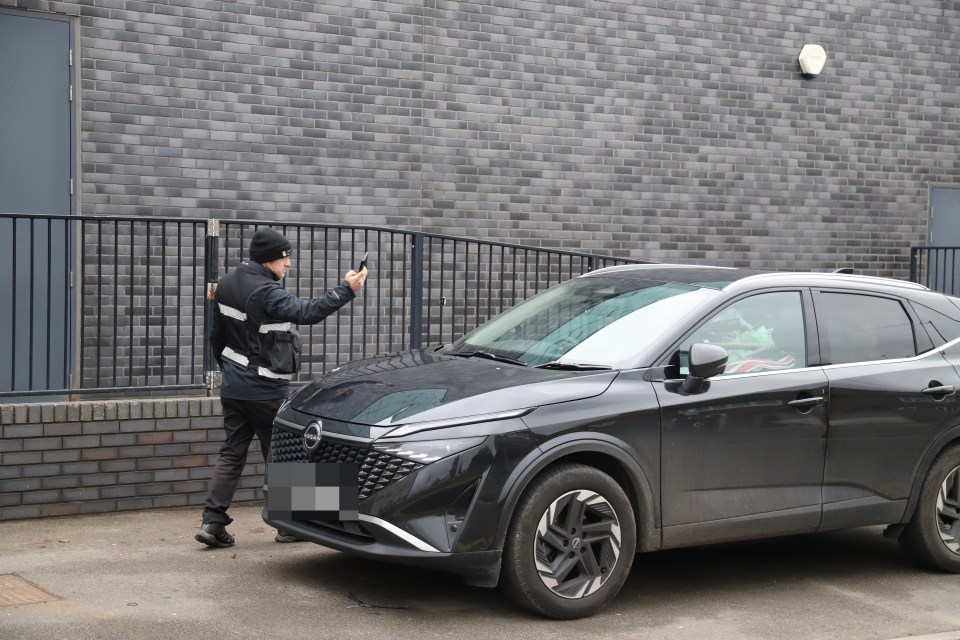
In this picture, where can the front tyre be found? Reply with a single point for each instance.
(570, 544)
(932, 537)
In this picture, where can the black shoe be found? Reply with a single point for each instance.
(214, 535)
(283, 536)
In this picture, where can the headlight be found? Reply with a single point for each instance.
(427, 451)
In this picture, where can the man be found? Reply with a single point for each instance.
(257, 345)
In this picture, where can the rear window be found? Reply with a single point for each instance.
(862, 328)
(941, 328)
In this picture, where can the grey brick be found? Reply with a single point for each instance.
(62, 455)
(107, 426)
(23, 431)
(63, 428)
(16, 513)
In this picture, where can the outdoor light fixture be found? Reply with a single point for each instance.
(812, 58)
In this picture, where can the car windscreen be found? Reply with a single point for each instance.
(597, 320)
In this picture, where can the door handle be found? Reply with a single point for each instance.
(806, 402)
(938, 391)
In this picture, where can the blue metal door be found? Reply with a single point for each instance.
(943, 263)
(36, 177)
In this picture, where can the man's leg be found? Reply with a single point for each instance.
(233, 457)
(242, 420)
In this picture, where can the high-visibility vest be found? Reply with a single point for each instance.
(271, 349)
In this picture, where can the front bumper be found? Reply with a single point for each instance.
(442, 515)
(377, 539)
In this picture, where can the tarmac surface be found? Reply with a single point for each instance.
(139, 575)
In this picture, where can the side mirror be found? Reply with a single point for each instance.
(706, 361)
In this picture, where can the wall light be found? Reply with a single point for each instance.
(812, 58)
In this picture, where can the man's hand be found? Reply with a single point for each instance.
(355, 279)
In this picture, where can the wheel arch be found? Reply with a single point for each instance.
(606, 455)
(949, 437)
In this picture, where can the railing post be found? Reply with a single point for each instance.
(914, 268)
(416, 292)
(211, 374)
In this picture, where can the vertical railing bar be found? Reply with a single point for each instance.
(98, 302)
(161, 343)
(396, 238)
(131, 300)
(310, 284)
(31, 304)
(116, 294)
(490, 282)
(146, 300)
(514, 274)
(68, 297)
(195, 286)
(366, 301)
(379, 332)
(323, 327)
(13, 307)
(416, 290)
(953, 271)
(49, 357)
(466, 279)
(341, 240)
(428, 295)
(404, 239)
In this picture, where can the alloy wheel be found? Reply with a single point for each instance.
(577, 544)
(948, 511)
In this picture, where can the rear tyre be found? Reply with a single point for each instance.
(932, 537)
(570, 544)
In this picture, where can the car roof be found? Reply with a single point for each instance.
(731, 279)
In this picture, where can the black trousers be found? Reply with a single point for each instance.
(242, 420)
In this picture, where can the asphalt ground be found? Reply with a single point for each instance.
(139, 575)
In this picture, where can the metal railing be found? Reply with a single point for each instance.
(937, 268)
(117, 305)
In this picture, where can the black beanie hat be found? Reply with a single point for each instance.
(268, 245)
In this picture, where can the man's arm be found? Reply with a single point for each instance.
(280, 305)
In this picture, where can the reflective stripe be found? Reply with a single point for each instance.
(230, 312)
(266, 373)
(233, 356)
(400, 533)
(244, 361)
(281, 326)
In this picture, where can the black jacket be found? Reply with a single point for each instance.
(269, 303)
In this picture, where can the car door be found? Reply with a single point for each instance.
(887, 404)
(744, 456)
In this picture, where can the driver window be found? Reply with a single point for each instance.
(761, 333)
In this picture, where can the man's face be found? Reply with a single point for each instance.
(279, 266)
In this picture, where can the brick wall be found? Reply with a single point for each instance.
(64, 458)
(677, 131)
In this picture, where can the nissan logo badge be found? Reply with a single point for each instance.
(312, 435)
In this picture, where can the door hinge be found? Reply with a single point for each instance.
(71, 186)
(70, 56)
(71, 279)
(71, 93)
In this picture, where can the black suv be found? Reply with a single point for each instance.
(633, 409)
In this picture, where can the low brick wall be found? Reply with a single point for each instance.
(64, 458)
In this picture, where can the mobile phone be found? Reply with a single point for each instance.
(363, 261)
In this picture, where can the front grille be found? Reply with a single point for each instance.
(377, 469)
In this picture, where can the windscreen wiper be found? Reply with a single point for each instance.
(572, 366)
(487, 355)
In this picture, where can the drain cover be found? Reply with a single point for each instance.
(16, 590)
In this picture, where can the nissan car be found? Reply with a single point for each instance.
(633, 409)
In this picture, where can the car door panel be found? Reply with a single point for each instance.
(887, 405)
(740, 449)
(881, 425)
